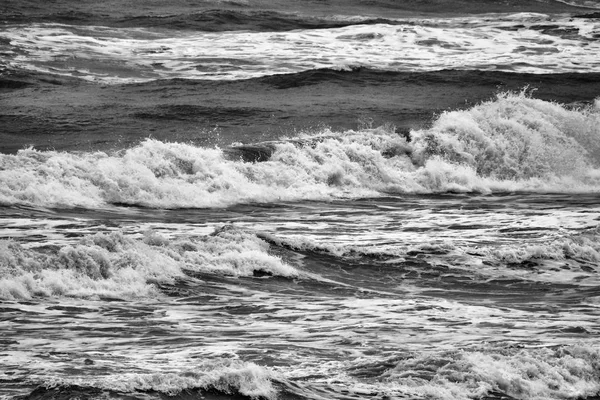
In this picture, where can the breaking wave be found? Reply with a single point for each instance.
(224, 376)
(115, 265)
(545, 373)
(488, 372)
(512, 143)
(514, 138)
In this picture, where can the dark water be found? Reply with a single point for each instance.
(299, 200)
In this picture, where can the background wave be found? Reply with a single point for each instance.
(50, 112)
(182, 14)
(527, 43)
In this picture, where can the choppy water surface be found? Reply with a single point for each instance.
(457, 295)
(197, 200)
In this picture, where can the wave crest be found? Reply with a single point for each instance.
(512, 143)
(223, 376)
(115, 265)
(514, 137)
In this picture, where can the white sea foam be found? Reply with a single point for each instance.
(485, 371)
(572, 259)
(565, 372)
(564, 259)
(117, 265)
(513, 143)
(582, 3)
(515, 137)
(223, 375)
(496, 42)
(583, 247)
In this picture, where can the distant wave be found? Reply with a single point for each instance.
(525, 43)
(219, 15)
(218, 20)
(209, 20)
(513, 143)
(582, 3)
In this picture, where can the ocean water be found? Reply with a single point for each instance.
(300, 200)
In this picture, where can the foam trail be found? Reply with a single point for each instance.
(582, 3)
(527, 43)
(487, 372)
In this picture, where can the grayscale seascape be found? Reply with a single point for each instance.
(300, 200)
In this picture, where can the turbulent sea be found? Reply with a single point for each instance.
(300, 199)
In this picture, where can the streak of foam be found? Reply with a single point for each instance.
(582, 3)
(530, 43)
(522, 373)
(221, 375)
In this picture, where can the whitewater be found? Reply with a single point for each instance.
(254, 200)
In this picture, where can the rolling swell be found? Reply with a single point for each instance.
(280, 15)
(216, 20)
(55, 112)
(228, 20)
(547, 85)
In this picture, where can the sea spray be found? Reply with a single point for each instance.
(512, 143)
(514, 137)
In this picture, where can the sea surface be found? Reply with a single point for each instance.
(324, 200)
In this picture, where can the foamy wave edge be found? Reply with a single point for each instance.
(490, 371)
(531, 373)
(115, 265)
(222, 375)
(572, 259)
(512, 143)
